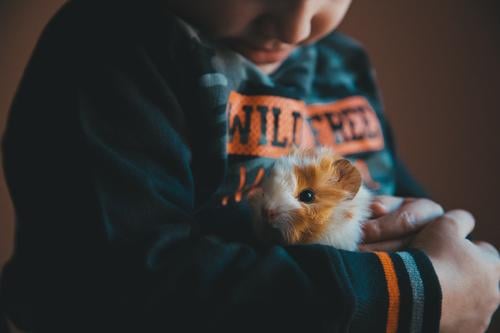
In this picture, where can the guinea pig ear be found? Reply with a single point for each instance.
(347, 176)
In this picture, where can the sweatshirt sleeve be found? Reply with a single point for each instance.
(100, 173)
(144, 187)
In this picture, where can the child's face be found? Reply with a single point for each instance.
(264, 31)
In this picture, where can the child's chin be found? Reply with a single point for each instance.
(267, 57)
(269, 68)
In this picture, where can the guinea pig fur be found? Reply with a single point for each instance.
(311, 196)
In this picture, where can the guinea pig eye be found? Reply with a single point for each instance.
(306, 196)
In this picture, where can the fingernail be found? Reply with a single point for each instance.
(379, 205)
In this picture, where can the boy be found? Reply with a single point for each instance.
(135, 217)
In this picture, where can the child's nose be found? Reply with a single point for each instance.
(293, 21)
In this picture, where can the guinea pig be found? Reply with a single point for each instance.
(311, 196)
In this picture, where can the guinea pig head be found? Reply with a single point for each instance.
(298, 197)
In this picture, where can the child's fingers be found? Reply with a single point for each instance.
(405, 221)
(385, 204)
(457, 222)
(487, 247)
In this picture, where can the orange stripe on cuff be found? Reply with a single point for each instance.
(393, 291)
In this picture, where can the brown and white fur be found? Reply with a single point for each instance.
(335, 216)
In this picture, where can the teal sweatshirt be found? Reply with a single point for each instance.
(129, 152)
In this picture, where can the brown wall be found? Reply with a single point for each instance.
(437, 64)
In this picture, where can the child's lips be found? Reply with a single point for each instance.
(262, 55)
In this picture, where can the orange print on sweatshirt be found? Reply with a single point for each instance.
(268, 126)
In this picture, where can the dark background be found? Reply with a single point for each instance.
(437, 62)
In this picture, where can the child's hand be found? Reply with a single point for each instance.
(468, 272)
(396, 221)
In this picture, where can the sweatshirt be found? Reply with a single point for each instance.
(130, 147)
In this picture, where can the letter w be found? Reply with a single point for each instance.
(237, 126)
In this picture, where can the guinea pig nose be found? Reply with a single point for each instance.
(270, 214)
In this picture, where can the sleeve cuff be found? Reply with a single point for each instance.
(425, 289)
(410, 301)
